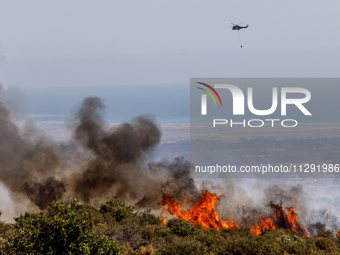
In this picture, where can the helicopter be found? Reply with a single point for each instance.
(238, 27)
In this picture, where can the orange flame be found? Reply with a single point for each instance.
(280, 219)
(202, 212)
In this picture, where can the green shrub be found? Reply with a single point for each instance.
(248, 245)
(60, 230)
(148, 250)
(116, 228)
(326, 244)
(241, 232)
(181, 228)
(130, 234)
(210, 238)
(162, 230)
(283, 239)
(117, 209)
(183, 246)
(297, 245)
(148, 218)
(149, 232)
(323, 232)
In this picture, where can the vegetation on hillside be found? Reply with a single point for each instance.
(117, 228)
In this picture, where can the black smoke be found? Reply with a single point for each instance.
(107, 162)
(118, 167)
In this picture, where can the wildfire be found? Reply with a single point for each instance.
(280, 219)
(202, 212)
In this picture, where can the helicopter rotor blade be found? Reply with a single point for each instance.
(239, 24)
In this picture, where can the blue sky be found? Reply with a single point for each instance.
(113, 43)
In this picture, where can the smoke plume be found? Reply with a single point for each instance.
(28, 166)
(102, 162)
(35, 168)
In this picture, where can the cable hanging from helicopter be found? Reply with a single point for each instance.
(237, 27)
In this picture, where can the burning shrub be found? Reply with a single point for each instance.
(203, 212)
(280, 219)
